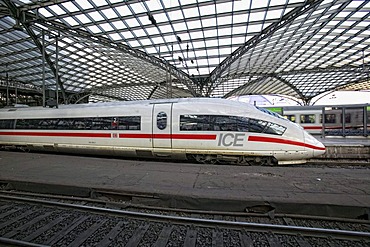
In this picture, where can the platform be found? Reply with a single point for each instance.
(193, 184)
(353, 148)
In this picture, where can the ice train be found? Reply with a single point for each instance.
(204, 129)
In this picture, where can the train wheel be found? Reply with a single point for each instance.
(268, 161)
(261, 161)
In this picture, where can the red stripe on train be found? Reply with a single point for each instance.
(282, 141)
(56, 134)
(169, 136)
(108, 135)
(312, 127)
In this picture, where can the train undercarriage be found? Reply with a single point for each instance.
(234, 159)
(199, 158)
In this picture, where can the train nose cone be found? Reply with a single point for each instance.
(319, 149)
(315, 145)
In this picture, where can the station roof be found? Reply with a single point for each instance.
(131, 50)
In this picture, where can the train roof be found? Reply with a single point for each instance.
(320, 107)
(130, 103)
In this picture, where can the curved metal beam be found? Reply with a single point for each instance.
(263, 77)
(265, 33)
(232, 92)
(153, 90)
(301, 95)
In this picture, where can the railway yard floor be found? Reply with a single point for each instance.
(306, 189)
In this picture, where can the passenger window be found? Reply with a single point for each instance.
(129, 123)
(274, 129)
(6, 124)
(309, 118)
(330, 118)
(257, 125)
(347, 118)
(290, 118)
(225, 123)
(161, 120)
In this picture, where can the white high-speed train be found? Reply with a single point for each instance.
(208, 130)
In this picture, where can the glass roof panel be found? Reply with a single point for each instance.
(190, 13)
(83, 18)
(94, 29)
(206, 10)
(84, 4)
(96, 16)
(118, 24)
(153, 5)
(106, 27)
(45, 12)
(138, 8)
(71, 21)
(109, 13)
(144, 20)
(123, 10)
(70, 6)
(115, 36)
(56, 9)
(132, 22)
(210, 42)
(100, 3)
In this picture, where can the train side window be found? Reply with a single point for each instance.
(307, 118)
(161, 120)
(274, 129)
(347, 117)
(256, 125)
(228, 123)
(101, 123)
(225, 123)
(330, 118)
(81, 123)
(129, 123)
(243, 124)
(191, 122)
(291, 118)
(65, 124)
(6, 124)
(27, 124)
(47, 123)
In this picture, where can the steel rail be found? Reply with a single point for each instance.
(128, 205)
(14, 242)
(257, 227)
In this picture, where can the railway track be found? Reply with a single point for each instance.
(29, 219)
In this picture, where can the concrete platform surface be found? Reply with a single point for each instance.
(344, 141)
(331, 186)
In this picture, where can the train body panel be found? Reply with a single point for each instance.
(230, 142)
(207, 129)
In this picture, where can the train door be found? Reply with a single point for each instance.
(162, 125)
